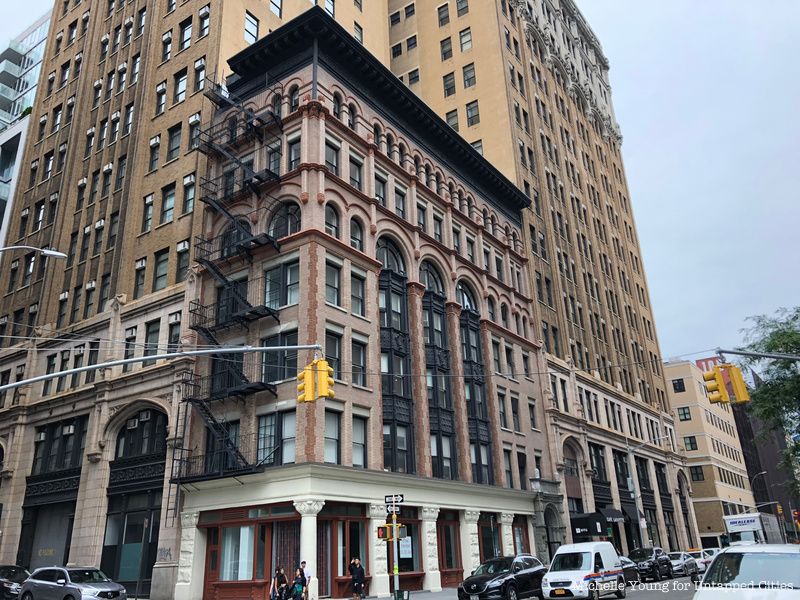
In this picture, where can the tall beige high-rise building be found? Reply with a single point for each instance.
(716, 463)
(114, 180)
(527, 84)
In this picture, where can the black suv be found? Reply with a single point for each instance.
(652, 562)
(506, 577)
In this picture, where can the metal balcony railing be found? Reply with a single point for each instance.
(237, 182)
(258, 451)
(230, 378)
(243, 302)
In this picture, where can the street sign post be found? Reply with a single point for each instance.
(393, 502)
(392, 509)
(394, 499)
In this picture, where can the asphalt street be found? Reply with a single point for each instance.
(679, 588)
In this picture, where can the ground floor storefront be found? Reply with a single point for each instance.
(236, 533)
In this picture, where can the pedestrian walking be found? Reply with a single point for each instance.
(307, 575)
(357, 576)
(298, 584)
(277, 589)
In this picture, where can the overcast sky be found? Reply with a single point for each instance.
(708, 97)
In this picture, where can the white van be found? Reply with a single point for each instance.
(588, 570)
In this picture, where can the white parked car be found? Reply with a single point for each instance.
(683, 563)
(757, 572)
(702, 558)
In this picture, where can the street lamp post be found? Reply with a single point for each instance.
(42, 251)
(632, 475)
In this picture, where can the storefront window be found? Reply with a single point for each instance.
(652, 526)
(489, 532)
(448, 540)
(237, 553)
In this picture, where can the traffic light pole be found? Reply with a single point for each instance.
(772, 355)
(155, 357)
(396, 558)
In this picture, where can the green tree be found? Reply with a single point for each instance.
(776, 400)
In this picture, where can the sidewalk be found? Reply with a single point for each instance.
(445, 594)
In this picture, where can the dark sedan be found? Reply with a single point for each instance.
(506, 578)
(653, 563)
(11, 578)
(629, 570)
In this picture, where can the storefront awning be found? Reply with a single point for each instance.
(612, 515)
(588, 524)
(632, 512)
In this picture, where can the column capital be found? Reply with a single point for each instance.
(471, 516)
(377, 511)
(453, 308)
(309, 507)
(189, 520)
(415, 288)
(506, 518)
(429, 513)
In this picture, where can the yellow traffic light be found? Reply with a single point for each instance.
(740, 392)
(780, 509)
(305, 389)
(715, 386)
(385, 533)
(324, 379)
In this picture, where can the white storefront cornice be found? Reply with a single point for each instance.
(334, 483)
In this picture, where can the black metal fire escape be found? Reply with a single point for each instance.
(235, 129)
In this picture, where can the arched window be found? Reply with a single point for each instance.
(491, 308)
(428, 176)
(144, 434)
(377, 134)
(331, 220)
(356, 234)
(277, 104)
(465, 297)
(431, 279)
(418, 167)
(470, 208)
(390, 256)
(294, 98)
(401, 156)
(390, 146)
(438, 183)
(233, 236)
(453, 198)
(485, 218)
(285, 220)
(504, 315)
(352, 114)
(337, 105)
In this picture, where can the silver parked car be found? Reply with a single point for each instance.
(69, 583)
(683, 563)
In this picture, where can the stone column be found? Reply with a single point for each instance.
(430, 549)
(376, 567)
(18, 463)
(191, 559)
(491, 406)
(507, 533)
(470, 546)
(453, 311)
(422, 424)
(308, 510)
(662, 529)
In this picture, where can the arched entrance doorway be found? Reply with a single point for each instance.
(134, 501)
(554, 530)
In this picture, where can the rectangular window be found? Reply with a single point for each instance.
(507, 468)
(515, 422)
(678, 386)
(501, 405)
(452, 119)
(446, 48)
(161, 269)
(462, 7)
(400, 203)
(185, 39)
(358, 33)
(449, 84)
(152, 330)
(147, 213)
(685, 413)
(469, 75)
(332, 158)
(167, 204)
(250, 30)
(532, 414)
(283, 285)
(359, 361)
(355, 173)
(443, 13)
(179, 82)
(332, 433)
(357, 295)
(380, 190)
(690, 442)
(280, 366)
(333, 352)
(333, 275)
(413, 77)
(465, 39)
(359, 442)
(473, 113)
(697, 473)
(138, 281)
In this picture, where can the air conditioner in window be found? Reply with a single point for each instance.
(133, 423)
(78, 350)
(68, 430)
(144, 416)
(40, 437)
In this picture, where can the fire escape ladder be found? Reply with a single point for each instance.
(220, 432)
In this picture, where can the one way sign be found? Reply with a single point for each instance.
(393, 499)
